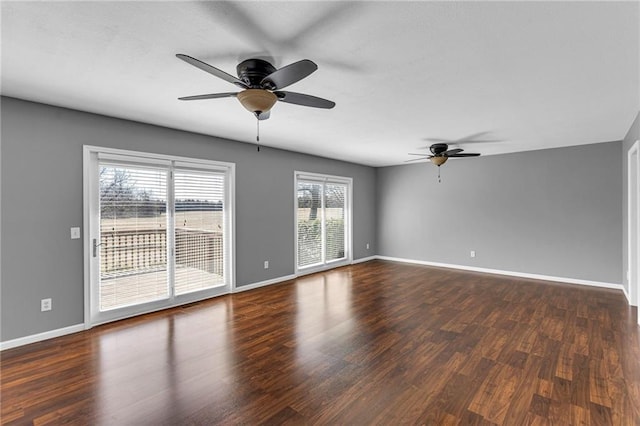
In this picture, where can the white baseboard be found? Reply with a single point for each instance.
(565, 280)
(81, 327)
(41, 336)
(299, 274)
(364, 259)
(21, 341)
(263, 283)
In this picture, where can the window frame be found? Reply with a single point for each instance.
(348, 218)
(92, 155)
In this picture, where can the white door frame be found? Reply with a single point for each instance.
(633, 224)
(323, 179)
(91, 212)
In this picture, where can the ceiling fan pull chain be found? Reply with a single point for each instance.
(439, 181)
(258, 133)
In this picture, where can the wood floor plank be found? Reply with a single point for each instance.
(374, 343)
(564, 366)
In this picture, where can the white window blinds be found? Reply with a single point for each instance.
(334, 216)
(162, 229)
(322, 220)
(309, 218)
(199, 229)
(133, 235)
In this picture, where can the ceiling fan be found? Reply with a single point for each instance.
(441, 153)
(261, 83)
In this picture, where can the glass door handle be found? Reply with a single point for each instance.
(95, 247)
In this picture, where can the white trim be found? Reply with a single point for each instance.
(364, 259)
(300, 274)
(324, 179)
(87, 153)
(633, 281)
(113, 152)
(149, 163)
(264, 283)
(91, 156)
(626, 295)
(565, 280)
(230, 227)
(21, 341)
(184, 300)
(81, 327)
(322, 268)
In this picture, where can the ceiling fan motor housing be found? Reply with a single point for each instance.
(253, 71)
(438, 148)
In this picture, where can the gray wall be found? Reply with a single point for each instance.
(41, 175)
(552, 212)
(632, 135)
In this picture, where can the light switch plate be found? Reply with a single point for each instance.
(75, 233)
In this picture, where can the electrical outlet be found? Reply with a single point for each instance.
(472, 253)
(75, 233)
(367, 246)
(45, 305)
(266, 264)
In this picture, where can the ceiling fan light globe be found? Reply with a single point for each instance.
(257, 100)
(438, 161)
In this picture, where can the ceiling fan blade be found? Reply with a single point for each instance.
(474, 141)
(421, 155)
(473, 138)
(236, 16)
(464, 155)
(468, 138)
(212, 70)
(453, 152)
(318, 27)
(286, 76)
(305, 100)
(437, 140)
(264, 115)
(417, 159)
(209, 96)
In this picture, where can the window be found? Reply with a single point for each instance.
(160, 231)
(132, 246)
(198, 230)
(323, 221)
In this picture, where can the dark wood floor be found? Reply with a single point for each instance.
(375, 343)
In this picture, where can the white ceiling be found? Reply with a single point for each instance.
(530, 74)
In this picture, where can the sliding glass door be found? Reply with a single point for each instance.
(323, 225)
(160, 232)
(132, 247)
(198, 230)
